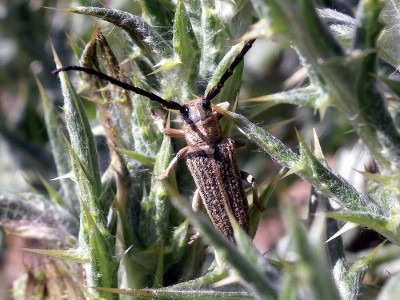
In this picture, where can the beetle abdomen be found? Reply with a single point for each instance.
(220, 185)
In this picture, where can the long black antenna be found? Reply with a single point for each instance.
(228, 73)
(166, 103)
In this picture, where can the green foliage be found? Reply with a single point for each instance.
(134, 235)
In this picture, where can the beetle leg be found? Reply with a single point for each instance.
(224, 105)
(238, 143)
(196, 202)
(181, 154)
(175, 133)
(196, 205)
(193, 238)
(250, 179)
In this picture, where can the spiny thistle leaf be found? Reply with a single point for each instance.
(80, 132)
(320, 176)
(232, 86)
(317, 148)
(159, 18)
(341, 25)
(187, 51)
(271, 16)
(310, 272)
(94, 235)
(252, 274)
(377, 222)
(352, 278)
(54, 196)
(213, 38)
(141, 158)
(176, 294)
(304, 97)
(54, 127)
(391, 288)
(346, 227)
(75, 255)
(263, 197)
(149, 40)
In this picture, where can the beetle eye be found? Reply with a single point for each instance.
(184, 110)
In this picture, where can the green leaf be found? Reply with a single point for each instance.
(187, 52)
(368, 24)
(180, 238)
(159, 18)
(387, 42)
(312, 37)
(160, 215)
(193, 7)
(348, 78)
(391, 288)
(242, 19)
(306, 166)
(141, 158)
(213, 38)
(345, 194)
(75, 255)
(252, 273)
(149, 40)
(304, 97)
(232, 86)
(54, 196)
(158, 192)
(255, 213)
(81, 136)
(374, 221)
(340, 24)
(167, 293)
(271, 17)
(143, 131)
(215, 274)
(310, 272)
(392, 84)
(54, 127)
(102, 263)
(353, 277)
(94, 237)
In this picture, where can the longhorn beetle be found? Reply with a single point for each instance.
(210, 158)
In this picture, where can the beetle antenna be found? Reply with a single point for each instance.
(228, 73)
(166, 103)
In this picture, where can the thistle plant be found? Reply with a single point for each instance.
(130, 235)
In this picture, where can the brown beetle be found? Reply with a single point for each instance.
(210, 157)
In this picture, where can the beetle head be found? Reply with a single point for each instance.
(196, 111)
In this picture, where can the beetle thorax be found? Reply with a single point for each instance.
(201, 126)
